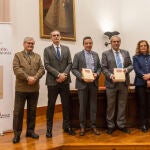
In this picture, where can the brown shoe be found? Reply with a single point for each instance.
(95, 131)
(82, 132)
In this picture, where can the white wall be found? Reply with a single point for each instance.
(93, 17)
(135, 24)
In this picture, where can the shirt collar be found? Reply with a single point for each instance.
(56, 46)
(28, 52)
(114, 51)
(88, 52)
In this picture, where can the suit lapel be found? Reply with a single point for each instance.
(26, 57)
(53, 51)
(62, 52)
(83, 58)
(113, 59)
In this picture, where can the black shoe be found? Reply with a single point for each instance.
(144, 128)
(69, 131)
(110, 130)
(32, 135)
(125, 130)
(49, 133)
(82, 132)
(95, 131)
(16, 139)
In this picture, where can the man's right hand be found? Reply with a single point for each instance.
(112, 77)
(31, 80)
(61, 78)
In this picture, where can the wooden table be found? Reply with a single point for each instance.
(131, 112)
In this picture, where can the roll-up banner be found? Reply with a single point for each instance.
(6, 78)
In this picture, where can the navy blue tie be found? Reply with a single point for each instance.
(58, 53)
(118, 60)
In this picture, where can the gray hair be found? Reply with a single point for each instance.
(28, 39)
(116, 37)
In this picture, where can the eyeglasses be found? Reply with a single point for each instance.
(54, 35)
(30, 43)
(115, 41)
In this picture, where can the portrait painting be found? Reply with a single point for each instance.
(57, 15)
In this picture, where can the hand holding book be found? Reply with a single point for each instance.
(87, 75)
(119, 75)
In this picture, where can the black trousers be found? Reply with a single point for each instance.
(20, 99)
(53, 91)
(143, 96)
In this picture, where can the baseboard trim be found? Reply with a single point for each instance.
(42, 110)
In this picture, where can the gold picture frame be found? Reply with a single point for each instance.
(57, 15)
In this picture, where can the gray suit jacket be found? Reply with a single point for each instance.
(79, 62)
(109, 63)
(54, 66)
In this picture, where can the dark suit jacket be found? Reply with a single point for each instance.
(140, 68)
(109, 63)
(54, 66)
(79, 62)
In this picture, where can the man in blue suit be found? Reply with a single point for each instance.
(87, 89)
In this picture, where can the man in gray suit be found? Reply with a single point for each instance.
(116, 91)
(87, 89)
(57, 61)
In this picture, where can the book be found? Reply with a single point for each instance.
(87, 74)
(119, 75)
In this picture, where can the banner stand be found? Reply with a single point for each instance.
(6, 79)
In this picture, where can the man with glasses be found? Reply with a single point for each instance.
(57, 61)
(116, 91)
(28, 69)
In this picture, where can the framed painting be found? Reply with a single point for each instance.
(57, 15)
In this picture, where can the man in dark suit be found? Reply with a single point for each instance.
(28, 70)
(116, 91)
(87, 89)
(57, 61)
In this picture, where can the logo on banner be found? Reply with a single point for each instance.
(4, 50)
(4, 115)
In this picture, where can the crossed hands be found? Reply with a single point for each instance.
(31, 80)
(61, 78)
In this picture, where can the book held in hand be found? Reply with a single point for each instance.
(87, 74)
(119, 75)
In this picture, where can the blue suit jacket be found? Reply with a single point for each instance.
(141, 67)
